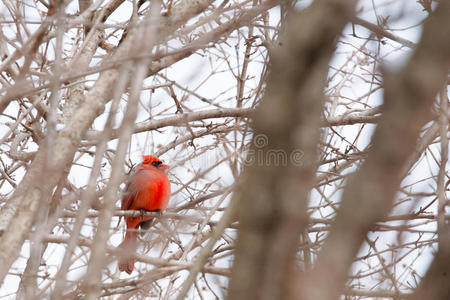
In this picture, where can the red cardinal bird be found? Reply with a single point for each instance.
(147, 189)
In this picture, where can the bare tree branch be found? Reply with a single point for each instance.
(369, 194)
(272, 198)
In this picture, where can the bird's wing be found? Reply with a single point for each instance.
(128, 196)
(133, 187)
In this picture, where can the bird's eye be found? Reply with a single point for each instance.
(156, 163)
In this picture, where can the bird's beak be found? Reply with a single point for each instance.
(163, 167)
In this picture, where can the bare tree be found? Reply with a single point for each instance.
(308, 146)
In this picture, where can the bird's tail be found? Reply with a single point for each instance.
(128, 246)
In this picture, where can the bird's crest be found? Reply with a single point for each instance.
(148, 159)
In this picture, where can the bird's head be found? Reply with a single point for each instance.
(154, 161)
